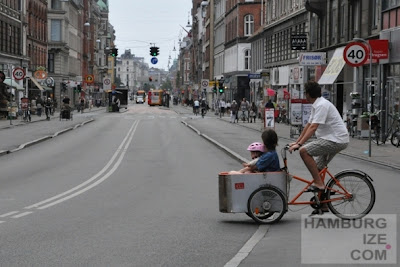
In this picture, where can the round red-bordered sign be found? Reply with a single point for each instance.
(18, 73)
(355, 54)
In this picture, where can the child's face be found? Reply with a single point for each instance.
(255, 154)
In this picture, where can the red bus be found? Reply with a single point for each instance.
(155, 97)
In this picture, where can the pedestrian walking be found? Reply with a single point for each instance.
(234, 111)
(253, 112)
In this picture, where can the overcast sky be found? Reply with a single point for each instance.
(138, 23)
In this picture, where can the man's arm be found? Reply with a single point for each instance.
(306, 134)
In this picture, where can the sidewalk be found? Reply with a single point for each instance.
(20, 134)
(5, 124)
(386, 155)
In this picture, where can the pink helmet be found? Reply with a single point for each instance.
(256, 146)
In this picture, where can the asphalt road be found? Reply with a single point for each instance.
(140, 189)
(131, 189)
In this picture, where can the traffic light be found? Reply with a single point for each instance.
(63, 87)
(157, 51)
(221, 87)
(114, 52)
(79, 88)
(153, 51)
(215, 88)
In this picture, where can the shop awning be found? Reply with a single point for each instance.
(334, 67)
(47, 88)
(270, 92)
(13, 83)
(36, 83)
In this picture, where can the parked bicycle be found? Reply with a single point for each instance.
(392, 133)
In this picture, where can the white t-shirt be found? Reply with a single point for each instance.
(331, 127)
(196, 103)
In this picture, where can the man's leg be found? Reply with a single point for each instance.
(312, 168)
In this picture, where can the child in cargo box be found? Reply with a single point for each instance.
(265, 158)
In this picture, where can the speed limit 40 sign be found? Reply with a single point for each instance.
(18, 74)
(355, 54)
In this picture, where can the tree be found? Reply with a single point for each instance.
(167, 85)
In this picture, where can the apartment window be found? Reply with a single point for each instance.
(356, 17)
(342, 16)
(247, 58)
(55, 34)
(127, 63)
(50, 63)
(248, 25)
(56, 4)
(375, 15)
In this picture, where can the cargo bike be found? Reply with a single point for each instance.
(264, 197)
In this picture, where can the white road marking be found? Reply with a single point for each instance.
(8, 214)
(92, 180)
(248, 247)
(22, 214)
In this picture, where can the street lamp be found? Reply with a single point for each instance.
(371, 89)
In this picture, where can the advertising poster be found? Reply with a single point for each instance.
(306, 113)
(296, 113)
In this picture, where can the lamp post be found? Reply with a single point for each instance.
(371, 90)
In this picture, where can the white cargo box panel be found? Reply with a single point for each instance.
(235, 189)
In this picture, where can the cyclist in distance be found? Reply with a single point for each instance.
(203, 106)
(330, 130)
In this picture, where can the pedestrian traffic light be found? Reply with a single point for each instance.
(114, 52)
(221, 87)
(153, 51)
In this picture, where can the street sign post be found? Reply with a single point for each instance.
(106, 84)
(154, 60)
(355, 54)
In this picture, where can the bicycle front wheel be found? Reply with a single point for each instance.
(359, 203)
(395, 140)
(267, 205)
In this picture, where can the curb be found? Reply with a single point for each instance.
(234, 155)
(44, 138)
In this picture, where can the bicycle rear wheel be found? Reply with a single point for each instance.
(267, 205)
(362, 195)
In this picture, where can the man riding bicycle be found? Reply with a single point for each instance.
(330, 130)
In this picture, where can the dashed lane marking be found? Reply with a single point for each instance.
(22, 214)
(8, 214)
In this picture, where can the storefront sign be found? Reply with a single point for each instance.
(312, 59)
(380, 48)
